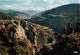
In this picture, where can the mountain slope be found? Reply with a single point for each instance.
(17, 14)
(5, 16)
(31, 12)
(57, 18)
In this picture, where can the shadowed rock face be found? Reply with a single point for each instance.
(37, 34)
(77, 29)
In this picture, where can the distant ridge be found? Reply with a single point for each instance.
(57, 18)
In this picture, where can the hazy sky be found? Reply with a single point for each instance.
(34, 4)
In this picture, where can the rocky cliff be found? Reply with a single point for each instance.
(22, 37)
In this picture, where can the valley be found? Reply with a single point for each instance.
(50, 32)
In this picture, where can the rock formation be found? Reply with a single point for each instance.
(21, 37)
(77, 29)
(68, 29)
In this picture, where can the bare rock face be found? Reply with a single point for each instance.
(20, 32)
(2, 27)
